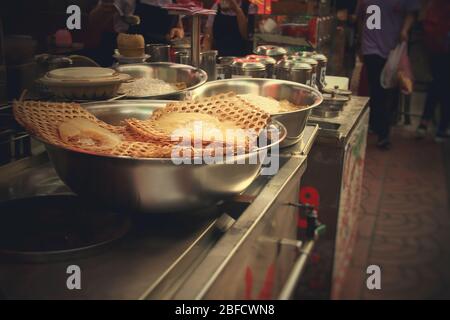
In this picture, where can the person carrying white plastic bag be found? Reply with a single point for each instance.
(396, 18)
(397, 70)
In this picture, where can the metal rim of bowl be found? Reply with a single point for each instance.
(204, 78)
(318, 101)
(169, 160)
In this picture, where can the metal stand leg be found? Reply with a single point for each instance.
(195, 41)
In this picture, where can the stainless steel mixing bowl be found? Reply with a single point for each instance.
(149, 185)
(296, 93)
(168, 72)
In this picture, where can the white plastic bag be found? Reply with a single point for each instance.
(389, 76)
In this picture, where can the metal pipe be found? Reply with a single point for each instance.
(195, 41)
(291, 283)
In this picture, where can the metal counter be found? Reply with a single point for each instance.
(231, 254)
(333, 183)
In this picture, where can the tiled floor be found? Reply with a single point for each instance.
(404, 223)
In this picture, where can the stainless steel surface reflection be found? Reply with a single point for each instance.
(168, 72)
(296, 93)
(150, 185)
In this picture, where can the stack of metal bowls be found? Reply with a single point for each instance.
(248, 68)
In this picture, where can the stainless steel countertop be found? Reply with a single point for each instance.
(336, 130)
(158, 256)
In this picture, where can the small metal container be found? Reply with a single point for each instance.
(321, 69)
(314, 65)
(269, 62)
(275, 52)
(300, 72)
(335, 101)
(220, 72)
(226, 63)
(282, 69)
(158, 52)
(292, 70)
(208, 63)
(247, 68)
(305, 54)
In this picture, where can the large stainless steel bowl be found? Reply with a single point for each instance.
(168, 72)
(296, 93)
(149, 185)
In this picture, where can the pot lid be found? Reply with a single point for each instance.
(248, 65)
(227, 60)
(310, 61)
(285, 64)
(270, 51)
(301, 66)
(262, 59)
(81, 73)
(305, 54)
(335, 99)
(337, 91)
(319, 57)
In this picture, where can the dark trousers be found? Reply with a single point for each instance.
(438, 91)
(380, 106)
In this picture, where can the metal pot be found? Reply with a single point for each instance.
(305, 54)
(321, 69)
(150, 185)
(269, 62)
(282, 69)
(247, 68)
(314, 65)
(335, 101)
(170, 73)
(292, 70)
(301, 73)
(298, 94)
(275, 52)
(226, 63)
(158, 52)
(208, 63)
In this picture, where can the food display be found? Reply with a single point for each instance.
(84, 83)
(270, 105)
(131, 45)
(146, 87)
(161, 80)
(70, 126)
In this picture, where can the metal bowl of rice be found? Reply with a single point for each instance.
(161, 80)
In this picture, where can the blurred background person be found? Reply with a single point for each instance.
(346, 17)
(228, 31)
(111, 17)
(436, 25)
(397, 18)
